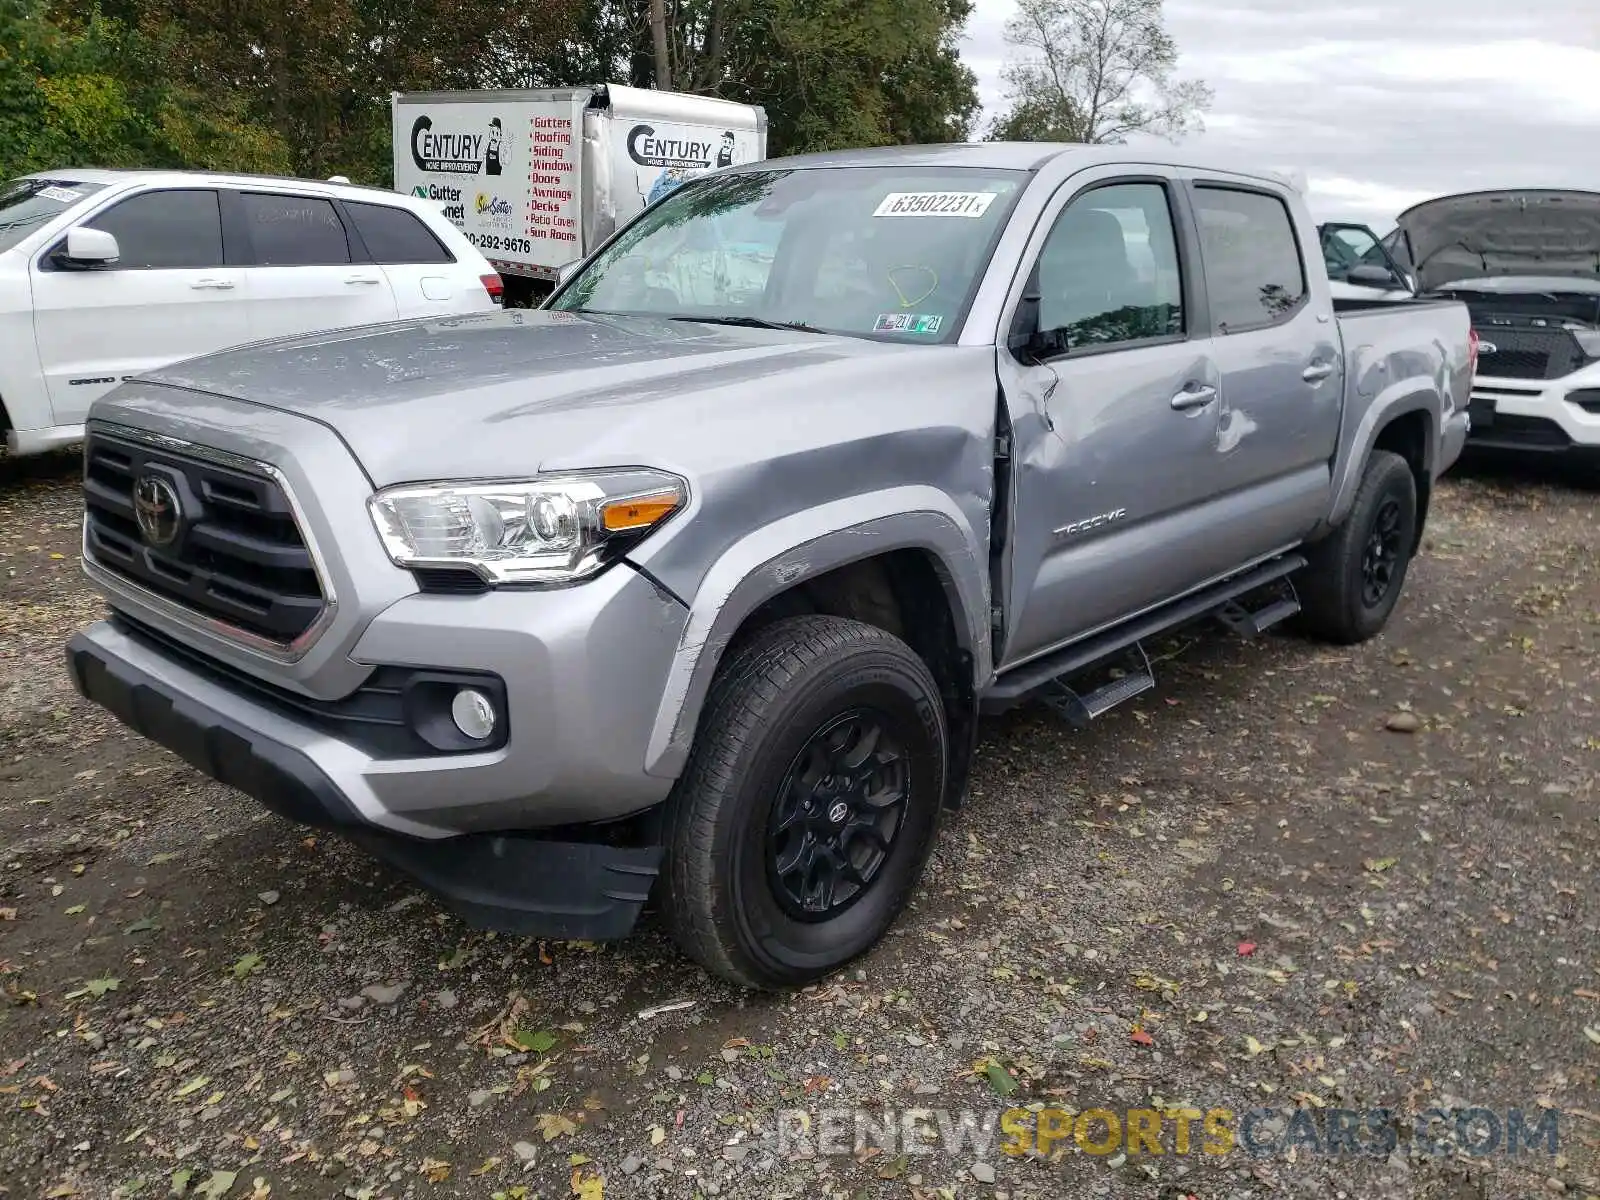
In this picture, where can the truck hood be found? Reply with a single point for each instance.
(458, 398)
(1536, 232)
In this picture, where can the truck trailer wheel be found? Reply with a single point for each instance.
(1355, 575)
(809, 803)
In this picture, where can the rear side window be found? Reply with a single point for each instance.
(293, 231)
(394, 236)
(1254, 275)
(165, 231)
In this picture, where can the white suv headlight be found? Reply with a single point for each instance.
(557, 529)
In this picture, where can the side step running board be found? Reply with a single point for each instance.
(1079, 709)
(1043, 676)
(1248, 624)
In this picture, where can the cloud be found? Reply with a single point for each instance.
(1380, 105)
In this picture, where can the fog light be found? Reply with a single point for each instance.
(473, 714)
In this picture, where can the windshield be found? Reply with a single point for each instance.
(888, 253)
(27, 203)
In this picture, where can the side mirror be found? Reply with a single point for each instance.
(1368, 275)
(90, 247)
(1025, 339)
(568, 271)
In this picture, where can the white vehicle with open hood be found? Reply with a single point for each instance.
(1527, 264)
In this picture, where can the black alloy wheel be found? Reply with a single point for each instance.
(836, 815)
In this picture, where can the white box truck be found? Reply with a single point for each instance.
(538, 179)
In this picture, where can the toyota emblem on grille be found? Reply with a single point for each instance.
(1487, 348)
(156, 509)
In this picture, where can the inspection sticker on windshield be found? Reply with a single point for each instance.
(907, 323)
(935, 204)
(60, 195)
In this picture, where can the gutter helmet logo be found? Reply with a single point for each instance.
(156, 510)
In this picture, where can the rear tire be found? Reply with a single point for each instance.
(809, 804)
(1353, 581)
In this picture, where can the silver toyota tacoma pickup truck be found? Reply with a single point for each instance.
(690, 588)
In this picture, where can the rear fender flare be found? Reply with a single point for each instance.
(1404, 396)
(802, 546)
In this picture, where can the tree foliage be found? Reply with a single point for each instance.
(1095, 71)
(303, 86)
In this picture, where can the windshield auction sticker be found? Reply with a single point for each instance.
(935, 204)
(60, 195)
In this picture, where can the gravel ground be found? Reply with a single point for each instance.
(1291, 878)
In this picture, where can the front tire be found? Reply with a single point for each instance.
(1355, 575)
(809, 804)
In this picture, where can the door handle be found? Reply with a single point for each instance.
(214, 285)
(355, 279)
(1194, 396)
(1317, 372)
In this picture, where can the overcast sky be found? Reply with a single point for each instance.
(1381, 104)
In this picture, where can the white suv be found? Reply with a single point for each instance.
(105, 274)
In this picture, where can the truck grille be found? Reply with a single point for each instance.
(219, 540)
(1528, 353)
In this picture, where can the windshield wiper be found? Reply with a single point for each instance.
(753, 323)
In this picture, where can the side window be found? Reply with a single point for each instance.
(165, 231)
(293, 231)
(1254, 275)
(395, 236)
(1108, 272)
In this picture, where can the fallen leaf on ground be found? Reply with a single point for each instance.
(554, 1125)
(435, 1170)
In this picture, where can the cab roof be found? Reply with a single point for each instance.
(1018, 156)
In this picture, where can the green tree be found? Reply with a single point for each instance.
(830, 73)
(1095, 71)
(86, 92)
(318, 73)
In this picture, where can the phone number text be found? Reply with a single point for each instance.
(510, 245)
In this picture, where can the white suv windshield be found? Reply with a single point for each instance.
(892, 253)
(26, 204)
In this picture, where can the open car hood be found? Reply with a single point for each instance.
(1479, 235)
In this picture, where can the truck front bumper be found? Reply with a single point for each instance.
(519, 838)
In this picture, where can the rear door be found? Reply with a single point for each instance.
(302, 275)
(424, 277)
(1113, 438)
(169, 296)
(1282, 367)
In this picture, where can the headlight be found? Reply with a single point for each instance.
(557, 529)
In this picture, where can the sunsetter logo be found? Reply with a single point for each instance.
(648, 150)
(493, 206)
(446, 153)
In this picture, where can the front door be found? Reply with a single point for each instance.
(1114, 438)
(168, 297)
